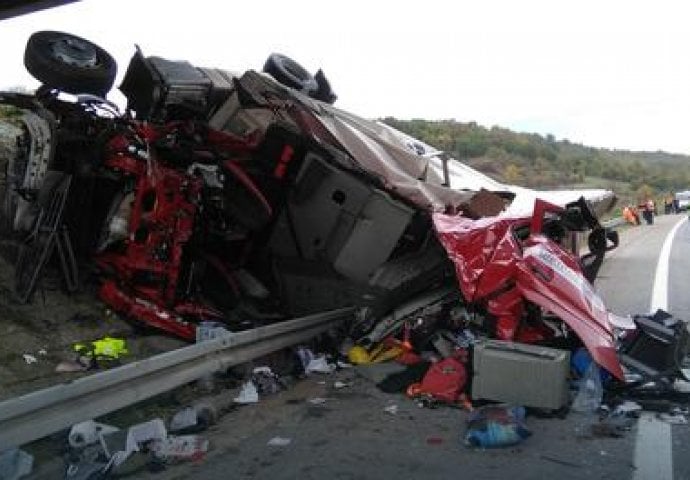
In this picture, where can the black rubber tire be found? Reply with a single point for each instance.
(41, 62)
(290, 73)
(596, 241)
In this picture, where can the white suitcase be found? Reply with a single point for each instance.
(521, 374)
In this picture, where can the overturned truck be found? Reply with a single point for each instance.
(249, 199)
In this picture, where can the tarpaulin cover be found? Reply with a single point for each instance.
(407, 166)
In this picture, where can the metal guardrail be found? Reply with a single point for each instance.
(38, 414)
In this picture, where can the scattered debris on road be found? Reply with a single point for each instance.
(220, 203)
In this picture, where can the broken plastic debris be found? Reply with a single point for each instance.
(182, 447)
(319, 365)
(184, 418)
(210, 330)
(87, 433)
(248, 394)
(29, 359)
(624, 323)
(144, 432)
(43, 352)
(338, 385)
(194, 418)
(279, 442)
(392, 409)
(151, 431)
(317, 401)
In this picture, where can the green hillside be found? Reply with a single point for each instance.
(536, 161)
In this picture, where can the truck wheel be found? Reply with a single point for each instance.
(69, 63)
(290, 73)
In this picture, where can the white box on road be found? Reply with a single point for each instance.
(521, 374)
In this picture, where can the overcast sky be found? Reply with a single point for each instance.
(612, 74)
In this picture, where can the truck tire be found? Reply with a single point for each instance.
(290, 73)
(69, 63)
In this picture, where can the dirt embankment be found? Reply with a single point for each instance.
(46, 328)
(36, 337)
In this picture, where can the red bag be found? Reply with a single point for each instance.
(445, 381)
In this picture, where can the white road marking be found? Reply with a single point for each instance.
(653, 449)
(660, 290)
(653, 453)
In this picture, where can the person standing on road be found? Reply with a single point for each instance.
(630, 215)
(648, 212)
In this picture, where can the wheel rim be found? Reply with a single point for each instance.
(74, 51)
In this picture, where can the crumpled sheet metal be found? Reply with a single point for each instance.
(403, 171)
(375, 148)
(488, 259)
(474, 246)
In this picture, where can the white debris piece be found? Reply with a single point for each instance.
(319, 365)
(392, 409)
(151, 431)
(181, 447)
(184, 418)
(29, 359)
(279, 442)
(248, 394)
(206, 331)
(87, 433)
(265, 370)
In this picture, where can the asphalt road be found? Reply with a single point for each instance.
(626, 282)
(348, 434)
(351, 436)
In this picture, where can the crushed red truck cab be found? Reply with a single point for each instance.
(503, 264)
